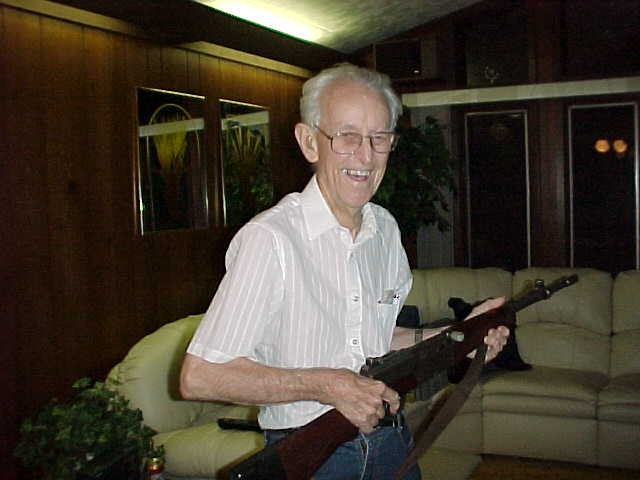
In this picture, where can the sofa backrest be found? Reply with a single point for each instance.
(433, 287)
(571, 329)
(625, 343)
(149, 375)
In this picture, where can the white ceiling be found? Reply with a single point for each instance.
(353, 24)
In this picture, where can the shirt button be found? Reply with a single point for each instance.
(355, 298)
(355, 342)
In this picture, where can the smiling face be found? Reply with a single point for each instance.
(347, 182)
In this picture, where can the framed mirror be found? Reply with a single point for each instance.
(246, 160)
(172, 173)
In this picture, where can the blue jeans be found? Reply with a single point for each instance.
(376, 456)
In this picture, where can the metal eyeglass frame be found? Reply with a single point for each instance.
(392, 146)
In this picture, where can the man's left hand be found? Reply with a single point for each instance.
(496, 337)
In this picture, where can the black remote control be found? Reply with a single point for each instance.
(239, 424)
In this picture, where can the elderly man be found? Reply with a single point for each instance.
(314, 285)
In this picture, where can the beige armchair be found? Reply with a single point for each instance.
(195, 446)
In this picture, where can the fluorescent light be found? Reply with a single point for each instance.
(270, 17)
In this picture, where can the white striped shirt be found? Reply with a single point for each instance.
(299, 292)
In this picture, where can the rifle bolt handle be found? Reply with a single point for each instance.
(456, 336)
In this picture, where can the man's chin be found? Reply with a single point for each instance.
(358, 202)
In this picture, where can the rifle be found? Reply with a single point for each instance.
(302, 452)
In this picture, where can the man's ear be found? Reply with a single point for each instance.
(307, 141)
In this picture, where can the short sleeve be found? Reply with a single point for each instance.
(246, 301)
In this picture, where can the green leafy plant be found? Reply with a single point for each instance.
(419, 172)
(88, 436)
(247, 182)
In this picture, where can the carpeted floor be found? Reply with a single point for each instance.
(494, 467)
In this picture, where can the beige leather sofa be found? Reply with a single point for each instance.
(581, 400)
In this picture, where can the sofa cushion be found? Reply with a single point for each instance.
(148, 377)
(587, 304)
(620, 400)
(464, 432)
(625, 353)
(625, 343)
(626, 301)
(564, 346)
(203, 450)
(565, 438)
(618, 444)
(544, 391)
(432, 288)
(571, 329)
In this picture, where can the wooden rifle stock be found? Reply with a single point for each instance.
(302, 452)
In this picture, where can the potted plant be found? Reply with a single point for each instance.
(94, 435)
(419, 172)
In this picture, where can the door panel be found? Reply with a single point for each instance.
(498, 191)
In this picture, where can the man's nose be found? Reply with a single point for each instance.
(365, 150)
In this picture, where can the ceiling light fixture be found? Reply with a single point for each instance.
(270, 17)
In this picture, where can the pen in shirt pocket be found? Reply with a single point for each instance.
(390, 297)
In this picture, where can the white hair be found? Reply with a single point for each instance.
(313, 89)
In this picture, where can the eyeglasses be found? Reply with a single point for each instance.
(347, 143)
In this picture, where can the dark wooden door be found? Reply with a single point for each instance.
(497, 187)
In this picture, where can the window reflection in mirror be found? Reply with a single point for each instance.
(172, 176)
(604, 193)
(246, 160)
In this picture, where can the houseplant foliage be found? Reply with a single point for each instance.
(94, 435)
(247, 182)
(419, 170)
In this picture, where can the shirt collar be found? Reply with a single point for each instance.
(319, 218)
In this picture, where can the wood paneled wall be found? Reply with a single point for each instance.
(80, 285)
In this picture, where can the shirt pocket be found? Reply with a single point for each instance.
(387, 314)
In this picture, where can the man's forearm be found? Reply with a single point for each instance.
(407, 337)
(246, 382)
(360, 399)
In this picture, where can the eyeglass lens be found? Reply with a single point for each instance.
(350, 142)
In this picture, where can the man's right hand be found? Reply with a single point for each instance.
(360, 399)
